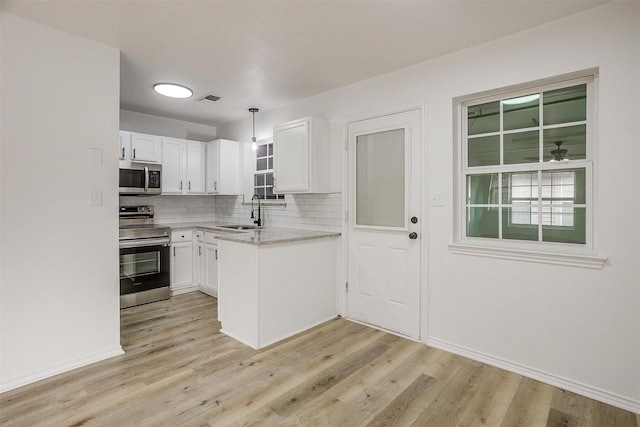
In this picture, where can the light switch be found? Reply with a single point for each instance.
(96, 197)
(436, 199)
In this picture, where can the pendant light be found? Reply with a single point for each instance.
(254, 145)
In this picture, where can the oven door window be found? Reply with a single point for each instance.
(144, 268)
(139, 264)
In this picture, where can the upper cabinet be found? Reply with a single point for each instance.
(183, 167)
(301, 156)
(223, 167)
(139, 147)
(125, 145)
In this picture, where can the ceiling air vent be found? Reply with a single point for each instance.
(211, 98)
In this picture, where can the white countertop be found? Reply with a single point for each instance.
(260, 236)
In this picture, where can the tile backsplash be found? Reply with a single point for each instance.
(322, 212)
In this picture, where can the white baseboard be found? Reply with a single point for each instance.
(42, 374)
(605, 396)
(183, 290)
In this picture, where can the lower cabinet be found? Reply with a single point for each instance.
(182, 262)
(207, 263)
(194, 262)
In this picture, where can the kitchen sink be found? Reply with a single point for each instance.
(241, 227)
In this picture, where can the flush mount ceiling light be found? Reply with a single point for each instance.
(172, 90)
(521, 100)
(254, 145)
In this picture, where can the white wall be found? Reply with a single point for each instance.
(59, 292)
(155, 125)
(573, 327)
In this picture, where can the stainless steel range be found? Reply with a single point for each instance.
(144, 257)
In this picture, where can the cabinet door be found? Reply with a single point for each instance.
(213, 167)
(195, 168)
(291, 157)
(210, 285)
(172, 166)
(201, 265)
(146, 148)
(125, 145)
(181, 265)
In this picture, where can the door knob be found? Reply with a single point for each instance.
(413, 235)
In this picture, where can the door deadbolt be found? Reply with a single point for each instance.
(413, 235)
(414, 220)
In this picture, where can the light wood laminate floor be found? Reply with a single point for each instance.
(179, 370)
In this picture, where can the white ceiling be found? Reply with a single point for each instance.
(269, 53)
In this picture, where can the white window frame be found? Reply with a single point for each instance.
(582, 255)
(279, 197)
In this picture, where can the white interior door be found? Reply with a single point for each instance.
(383, 222)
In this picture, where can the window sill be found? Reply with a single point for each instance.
(571, 260)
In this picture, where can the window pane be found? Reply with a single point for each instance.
(521, 147)
(520, 222)
(270, 147)
(260, 192)
(483, 118)
(270, 163)
(565, 105)
(482, 189)
(259, 179)
(573, 232)
(565, 185)
(519, 186)
(380, 179)
(573, 139)
(261, 164)
(522, 112)
(261, 151)
(268, 178)
(484, 151)
(482, 222)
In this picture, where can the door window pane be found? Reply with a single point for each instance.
(380, 179)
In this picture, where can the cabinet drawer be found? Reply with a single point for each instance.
(210, 238)
(181, 236)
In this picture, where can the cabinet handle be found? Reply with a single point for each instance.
(174, 251)
(215, 185)
(123, 152)
(189, 185)
(180, 185)
(134, 153)
(216, 254)
(199, 250)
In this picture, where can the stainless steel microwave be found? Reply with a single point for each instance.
(140, 179)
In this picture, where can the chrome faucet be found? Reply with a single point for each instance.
(258, 221)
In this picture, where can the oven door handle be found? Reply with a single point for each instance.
(141, 243)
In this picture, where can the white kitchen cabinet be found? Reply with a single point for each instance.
(223, 167)
(182, 279)
(210, 271)
(183, 166)
(301, 156)
(195, 167)
(270, 292)
(125, 145)
(146, 148)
